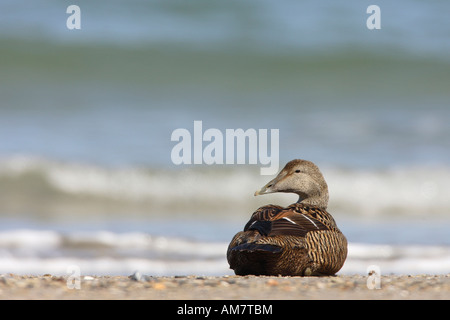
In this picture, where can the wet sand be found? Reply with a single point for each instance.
(226, 287)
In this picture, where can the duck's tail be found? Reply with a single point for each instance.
(252, 258)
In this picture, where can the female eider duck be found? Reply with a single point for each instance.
(299, 240)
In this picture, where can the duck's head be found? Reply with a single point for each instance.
(303, 178)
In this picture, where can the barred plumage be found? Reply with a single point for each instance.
(301, 239)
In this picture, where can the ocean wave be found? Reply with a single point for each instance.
(25, 182)
(261, 24)
(397, 259)
(26, 251)
(49, 243)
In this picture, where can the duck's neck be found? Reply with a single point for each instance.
(319, 201)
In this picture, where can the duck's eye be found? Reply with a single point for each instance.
(297, 171)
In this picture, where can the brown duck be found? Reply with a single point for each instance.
(299, 240)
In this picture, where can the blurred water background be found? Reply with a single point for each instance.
(86, 118)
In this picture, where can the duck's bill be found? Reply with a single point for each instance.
(268, 188)
(258, 192)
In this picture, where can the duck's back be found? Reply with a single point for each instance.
(297, 240)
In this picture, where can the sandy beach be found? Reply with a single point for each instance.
(227, 287)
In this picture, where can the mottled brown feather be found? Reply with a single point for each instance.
(310, 240)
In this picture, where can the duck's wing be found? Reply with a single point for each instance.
(293, 220)
(265, 213)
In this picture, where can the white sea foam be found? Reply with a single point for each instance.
(406, 190)
(412, 190)
(397, 259)
(104, 253)
(110, 266)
